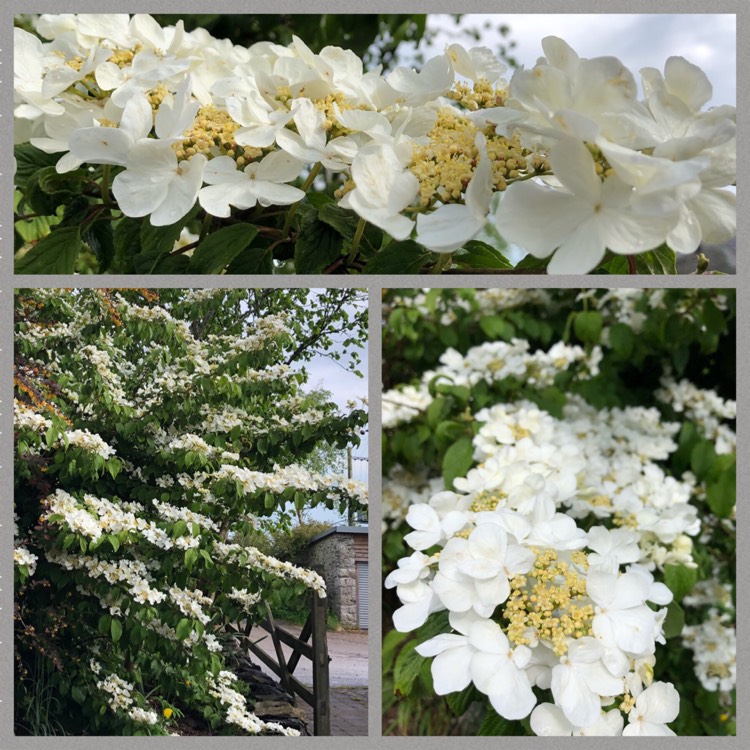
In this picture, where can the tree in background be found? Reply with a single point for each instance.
(153, 430)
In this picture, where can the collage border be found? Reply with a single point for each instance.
(9, 281)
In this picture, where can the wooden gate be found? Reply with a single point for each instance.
(316, 651)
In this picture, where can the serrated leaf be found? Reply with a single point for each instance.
(99, 237)
(343, 220)
(30, 159)
(400, 257)
(317, 246)
(495, 725)
(127, 242)
(51, 181)
(532, 263)
(157, 242)
(252, 260)
(459, 702)
(220, 248)
(55, 253)
(457, 460)
(476, 254)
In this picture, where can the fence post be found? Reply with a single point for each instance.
(322, 708)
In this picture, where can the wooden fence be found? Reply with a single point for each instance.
(316, 652)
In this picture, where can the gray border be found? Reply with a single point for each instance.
(374, 284)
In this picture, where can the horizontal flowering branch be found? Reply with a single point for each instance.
(439, 162)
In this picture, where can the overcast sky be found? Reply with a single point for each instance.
(708, 40)
(344, 386)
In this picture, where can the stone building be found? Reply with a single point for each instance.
(339, 555)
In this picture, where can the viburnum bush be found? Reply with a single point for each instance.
(153, 430)
(559, 512)
(144, 149)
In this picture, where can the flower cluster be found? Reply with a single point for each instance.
(186, 118)
(490, 362)
(552, 537)
(237, 713)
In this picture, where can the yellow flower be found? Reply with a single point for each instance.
(167, 713)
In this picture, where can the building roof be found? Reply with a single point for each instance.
(340, 530)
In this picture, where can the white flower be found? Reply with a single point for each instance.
(260, 182)
(383, 188)
(548, 720)
(582, 221)
(452, 225)
(581, 680)
(309, 144)
(483, 655)
(156, 183)
(105, 145)
(474, 572)
(622, 617)
(654, 708)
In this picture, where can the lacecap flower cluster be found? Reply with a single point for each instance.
(190, 118)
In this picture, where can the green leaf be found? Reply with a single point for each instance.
(476, 254)
(400, 257)
(675, 620)
(497, 327)
(622, 340)
(115, 630)
(343, 220)
(127, 242)
(55, 253)
(459, 702)
(253, 260)
(51, 181)
(317, 246)
(495, 725)
(191, 556)
(680, 579)
(183, 629)
(114, 541)
(157, 242)
(29, 159)
(104, 624)
(659, 261)
(531, 262)
(220, 248)
(99, 237)
(702, 458)
(722, 494)
(457, 460)
(588, 326)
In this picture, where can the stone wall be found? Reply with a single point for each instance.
(333, 558)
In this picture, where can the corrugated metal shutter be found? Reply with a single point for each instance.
(363, 603)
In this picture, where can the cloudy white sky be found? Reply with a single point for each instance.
(639, 40)
(344, 386)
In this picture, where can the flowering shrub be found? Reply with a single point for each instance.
(558, 511)
(165, 151)
(153, 431)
